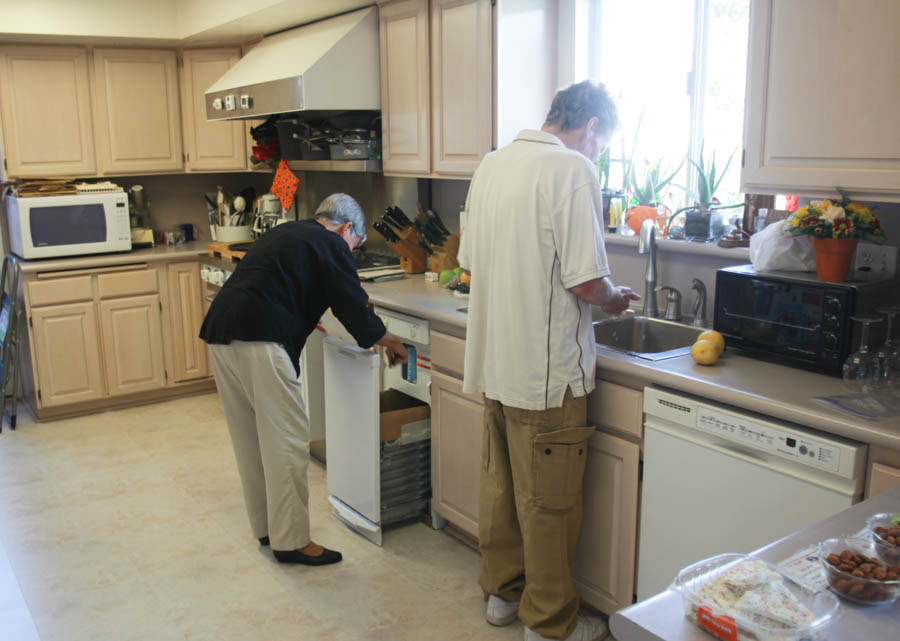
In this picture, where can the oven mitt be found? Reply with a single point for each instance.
(285, 184)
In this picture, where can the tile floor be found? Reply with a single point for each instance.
(130, 525)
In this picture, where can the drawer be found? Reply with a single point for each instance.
(131, 283)
(617, 407)
(448, 353)
(60, 290)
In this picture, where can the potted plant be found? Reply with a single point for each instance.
(647, 192)
(603, 171)
(699, 218)
(836, 227)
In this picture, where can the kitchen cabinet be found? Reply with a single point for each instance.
(136, 111)
(190, 353)
(817, 115)
(882, 478)
(131, 331)
(67, 353)
(209, 146)
(45, 107)
(605, 557)
(456, 442)
(436, 86)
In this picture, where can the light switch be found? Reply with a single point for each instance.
(246, 102)
(229, 102)
(217, 104)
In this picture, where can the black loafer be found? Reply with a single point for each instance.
(295, 556)
(264, 541)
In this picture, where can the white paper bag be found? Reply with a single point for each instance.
(773, 249)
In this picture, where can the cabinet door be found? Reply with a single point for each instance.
(882, 478)
(819, 115)
(136, 110)
(46, 111)
(132, 344)
(68, 354)
(456, 440)
(461, 84)
(209, 145)
(405, 127)
(605, 557)
(186, 315)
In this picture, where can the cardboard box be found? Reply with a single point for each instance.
(398, 409)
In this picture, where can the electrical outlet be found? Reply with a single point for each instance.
(873, 262)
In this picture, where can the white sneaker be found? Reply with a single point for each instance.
(499, 611)
(587, 629)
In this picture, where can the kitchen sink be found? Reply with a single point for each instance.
(652, 339)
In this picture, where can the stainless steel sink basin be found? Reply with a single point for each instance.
(652, 339)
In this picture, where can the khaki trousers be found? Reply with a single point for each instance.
(263, 406)
(530, 509)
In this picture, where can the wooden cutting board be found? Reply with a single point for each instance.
(233, 251)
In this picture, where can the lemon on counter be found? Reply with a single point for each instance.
(705, 352)
(465, 279)
(714, 337)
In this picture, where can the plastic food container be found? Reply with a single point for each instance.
(883, 520)
(731, 625)
(865, 591)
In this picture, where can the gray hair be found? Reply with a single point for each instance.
(575, 105)
(340, 209)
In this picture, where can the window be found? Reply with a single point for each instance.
(678, 67)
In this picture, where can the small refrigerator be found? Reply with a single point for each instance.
(378, 433)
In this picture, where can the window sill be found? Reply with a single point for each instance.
(682, 247)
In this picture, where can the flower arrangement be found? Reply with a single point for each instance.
(836, 219)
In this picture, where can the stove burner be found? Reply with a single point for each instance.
(368, 260)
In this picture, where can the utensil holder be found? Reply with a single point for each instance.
(412, 257)
(444, 257)
(225, 234)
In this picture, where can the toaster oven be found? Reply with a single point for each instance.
(795, 319)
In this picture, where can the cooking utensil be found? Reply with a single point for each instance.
(426, 247)
(385, 230)
(399, 218)
(437, 221)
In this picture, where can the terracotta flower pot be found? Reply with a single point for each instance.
(636, 216)
(833, 258)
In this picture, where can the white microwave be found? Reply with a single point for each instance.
(73, 225)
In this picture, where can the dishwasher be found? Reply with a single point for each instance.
(374, 483)
(719, 479)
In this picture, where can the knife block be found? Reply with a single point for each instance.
(445, 256)
(412, 257)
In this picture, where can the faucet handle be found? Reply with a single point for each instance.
(673, 302)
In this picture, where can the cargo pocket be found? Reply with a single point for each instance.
(486, 448)
(557, 466)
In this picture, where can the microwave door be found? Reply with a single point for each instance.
(67, 225)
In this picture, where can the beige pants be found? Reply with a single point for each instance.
(263, 406)
(530, 509)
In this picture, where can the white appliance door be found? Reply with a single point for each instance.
(700, 499)
(312, 381)
(352, 427)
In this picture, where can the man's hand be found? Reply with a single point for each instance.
(396, 350)
(619, 301)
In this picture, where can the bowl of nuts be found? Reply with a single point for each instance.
(885, 529)
(860, 571)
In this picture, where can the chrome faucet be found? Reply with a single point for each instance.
(673, 302)
(647, 245)
(700, 304)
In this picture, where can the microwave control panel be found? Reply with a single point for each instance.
(797, 446)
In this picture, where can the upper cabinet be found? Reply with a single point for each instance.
(136, 111)
(45, 108)
(209, 146)
(436, 86)
(821, 112)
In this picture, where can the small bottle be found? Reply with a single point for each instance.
(760, 221)
(374, 146)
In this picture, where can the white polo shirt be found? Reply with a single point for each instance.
(532, 233)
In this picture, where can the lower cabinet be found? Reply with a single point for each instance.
(67, 353)
(882, 478)
(132, 344)
(605, 558)
(456, 439)
(191, 361)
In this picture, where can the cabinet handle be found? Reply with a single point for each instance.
(92, 270)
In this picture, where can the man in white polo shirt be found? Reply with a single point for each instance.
(534, 246)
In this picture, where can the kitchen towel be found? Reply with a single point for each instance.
(285, 184)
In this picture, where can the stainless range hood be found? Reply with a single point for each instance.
(330, 65)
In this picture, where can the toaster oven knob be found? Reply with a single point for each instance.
(833, 305)
(831, 340)
(832, 322)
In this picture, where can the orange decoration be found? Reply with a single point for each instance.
(833, 257)
(285, 185)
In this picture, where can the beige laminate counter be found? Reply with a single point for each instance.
(772, 390)
(184, 251)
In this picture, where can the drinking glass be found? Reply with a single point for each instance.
(861, 367)
(888, 353)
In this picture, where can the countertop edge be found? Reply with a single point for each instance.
(148, 255)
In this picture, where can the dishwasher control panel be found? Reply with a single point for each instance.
(765, 437)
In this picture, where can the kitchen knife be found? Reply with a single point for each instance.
(426, 247)
(385, 230)
(437, 221)
(396, 216)
(435, 230)
(430, 236)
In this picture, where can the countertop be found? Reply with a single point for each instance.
(164, 253)
(661, 617)
(766, 388)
